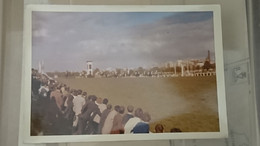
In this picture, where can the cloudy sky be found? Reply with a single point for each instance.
(66, 40)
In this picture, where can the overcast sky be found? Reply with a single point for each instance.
(65, 41)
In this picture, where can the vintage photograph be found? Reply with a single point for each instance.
(125, 73)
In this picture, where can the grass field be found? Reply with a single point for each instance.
(188, 103)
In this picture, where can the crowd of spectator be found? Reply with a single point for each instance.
(56, 109)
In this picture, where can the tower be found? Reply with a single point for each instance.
(90, 68)
(208, 56)
(41, 67)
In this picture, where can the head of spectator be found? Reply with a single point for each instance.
(116, 108)
(159, 128)
(146, 117)
(67, 89)
(105, 101)
(79, 92)
(43, 92)
(52, 88)
(130, 108)
(176, 130)
(138, 112)
(121, 110)
(75, 93)
(70, 98)
(84, 94)
(58, 87)
(109, 106)
(92, 98)
(99, 100)
(38, 76)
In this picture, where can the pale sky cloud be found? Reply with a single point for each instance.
(65, 41)
(40, 33)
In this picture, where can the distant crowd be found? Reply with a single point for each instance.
(56, 109)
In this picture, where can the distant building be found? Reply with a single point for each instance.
(90, 68)
(179, 62)
(169, 64)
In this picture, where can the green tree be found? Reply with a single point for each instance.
(206, 65)
(96, 71)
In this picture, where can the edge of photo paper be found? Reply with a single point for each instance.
(26, 75)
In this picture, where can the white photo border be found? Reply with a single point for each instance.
(26, 74)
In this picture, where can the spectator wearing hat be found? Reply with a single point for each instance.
(78, 103)
(131, 123)
(117, 127)
(108, 124)
(102, 105)
(143, 126)
(58, 97)
(128, 115)
(89, 112)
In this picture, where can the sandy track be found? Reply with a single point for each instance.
(188, 103)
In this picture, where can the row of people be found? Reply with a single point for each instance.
(57, 109)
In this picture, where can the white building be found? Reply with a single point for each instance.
(89, 68)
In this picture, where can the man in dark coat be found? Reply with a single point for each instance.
(104, 117)
(36, 84)
(89, 111)
(128, 115)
